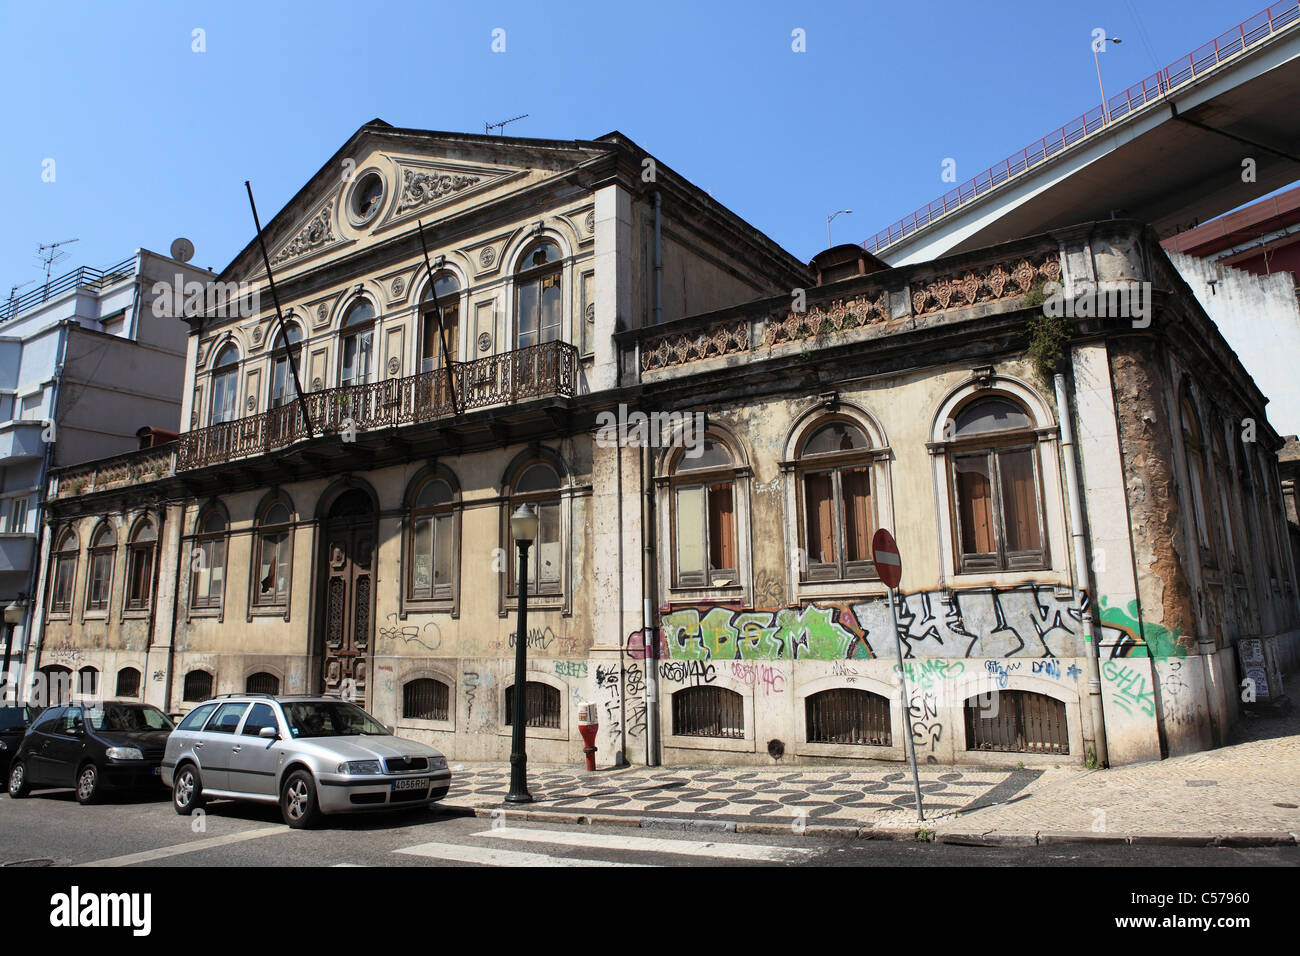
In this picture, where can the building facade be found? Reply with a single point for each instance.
(1088, 508)
(85, 362)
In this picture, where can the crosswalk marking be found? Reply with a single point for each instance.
(611, 841)
(491, 856)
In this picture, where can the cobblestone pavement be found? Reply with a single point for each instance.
(1251, 785)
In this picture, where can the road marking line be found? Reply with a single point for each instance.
(192, 847)
(610, 841)
(461, 853)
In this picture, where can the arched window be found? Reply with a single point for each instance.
(87, 681)
(225, 385)
(103, 549)
(208, 580)
(1022, 722)
(198, 686)
(997, 492)
(432, 541)
(708, 711)
(55, 686)
(838, 516)
(128, 682)
(443, 297)
(262, 683)
(704, 516)
(139, 569)
(429, 699)
(64, 573)
(846, 715)
(539, 303)
(539, 486)
(541, 705)
(274, 555)
(1194, 448)
(357, 345)
(283, 391)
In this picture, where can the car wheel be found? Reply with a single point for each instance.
(187, 790)
(88, 784)
(298, 803)
(18, 785)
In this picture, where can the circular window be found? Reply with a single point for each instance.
(367, 198)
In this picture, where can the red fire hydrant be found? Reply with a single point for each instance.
(588, 724)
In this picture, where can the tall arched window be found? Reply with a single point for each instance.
(357, 345)
(442, 297)
(704, 516)
(997, 493)
(432, 542)
(139, 568)
(274, 555)
(282, 386)
(208, 580)
(63, 572)
(128, 682)
(1194, 447)
(99, 582)
(539, 486)
(539, 303)
(225, 386)
(838, 516)
(197, 686)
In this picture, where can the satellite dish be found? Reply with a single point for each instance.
(182, 250)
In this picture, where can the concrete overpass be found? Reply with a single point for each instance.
(1168, 151)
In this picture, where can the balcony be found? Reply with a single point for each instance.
(16, 551)
(539, 371)
(21, 440)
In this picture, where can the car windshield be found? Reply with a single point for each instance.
(126, 717)
(330, 718)
(15, 718)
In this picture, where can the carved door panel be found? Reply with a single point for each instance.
(348, 614)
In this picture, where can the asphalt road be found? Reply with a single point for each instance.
(51, 828)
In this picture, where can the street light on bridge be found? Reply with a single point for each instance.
(1096, 44)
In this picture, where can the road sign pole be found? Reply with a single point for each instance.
(907, 714)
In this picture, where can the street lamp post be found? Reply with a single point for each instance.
(523, 527)
(847, 212)
(1105, 112)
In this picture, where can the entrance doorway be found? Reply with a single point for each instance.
(347, 616)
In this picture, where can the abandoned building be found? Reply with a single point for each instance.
(1080, 475)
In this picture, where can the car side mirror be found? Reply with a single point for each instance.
(269, 733)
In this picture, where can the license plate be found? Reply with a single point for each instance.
(418, 783)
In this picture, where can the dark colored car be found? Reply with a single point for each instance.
(14, 721)
(108, 745)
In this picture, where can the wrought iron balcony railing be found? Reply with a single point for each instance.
(537, 371)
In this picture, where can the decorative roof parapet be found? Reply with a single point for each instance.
(996, 282)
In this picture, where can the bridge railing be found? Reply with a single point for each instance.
(1207, 57)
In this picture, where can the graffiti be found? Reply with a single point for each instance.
(537, 639)
(846, 670)
(635, 645)
(927, 730)
(158, 675)
(470, 681)
(1048, 667)
(1140, 638)
(925, 674)
(1074, 672)
(429, 636)
(1175, 705)
(65, 653)
(607, 680)
(758, 675)
(769, 589)
(693, 672)
(713, 632)
(1001, 673)
(1128, 688)
(571, 668)
(636, 719)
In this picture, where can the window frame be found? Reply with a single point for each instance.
(96, 554)
(528, 275)
(280, 398)
(67, 554)
(203, 540)
(835, 464)
(277, 605)
(429, 302)
(136, 551)
(139, 681)
(358, 329)
(550, 498)
(706, 480)
(224, 373)
(212, 685)
(444, 597)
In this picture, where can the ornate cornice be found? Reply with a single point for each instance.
(317, 233)
(420, 188)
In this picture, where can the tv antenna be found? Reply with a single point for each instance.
(49, 254)
(489, 127)
(13, 290)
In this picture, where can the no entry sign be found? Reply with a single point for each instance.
(885, 553)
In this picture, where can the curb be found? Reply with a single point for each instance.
(992, 838)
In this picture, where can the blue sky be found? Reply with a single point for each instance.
(151, 140)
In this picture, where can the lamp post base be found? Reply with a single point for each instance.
(519, 780)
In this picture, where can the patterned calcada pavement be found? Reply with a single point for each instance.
(824, 796)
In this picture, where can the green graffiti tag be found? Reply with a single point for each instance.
(721, 633)
(1129, 689)
(1160, 641)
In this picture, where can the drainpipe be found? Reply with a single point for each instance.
(620, 758)
(659, 265)
(36, 604)
(650, 630)
(1082, 569)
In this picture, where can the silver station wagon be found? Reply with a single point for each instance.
(311, 755)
